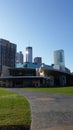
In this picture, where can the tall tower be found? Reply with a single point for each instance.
(59, 61)
(29, 54)
(19, 57)
(7, 54)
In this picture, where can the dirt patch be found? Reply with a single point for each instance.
(17, 127)
(45, 99)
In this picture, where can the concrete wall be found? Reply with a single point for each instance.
(5, 71)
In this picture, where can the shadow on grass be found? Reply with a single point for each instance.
(15, 127)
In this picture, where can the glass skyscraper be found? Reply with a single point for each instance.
(7, 53)
(29, 54)
(19, 57)
(59, 60)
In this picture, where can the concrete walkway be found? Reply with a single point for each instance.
(49, 111)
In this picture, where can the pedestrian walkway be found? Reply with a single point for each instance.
(49, 111)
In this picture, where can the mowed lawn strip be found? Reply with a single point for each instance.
(60, 90)
(14, 109)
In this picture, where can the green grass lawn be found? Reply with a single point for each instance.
(14, 109)
(61, 90)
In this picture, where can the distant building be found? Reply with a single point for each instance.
(19, 57)
(38, 60)
(35, 77)
(29, 54)
(59, 61)
(7, 54)
(29, 74)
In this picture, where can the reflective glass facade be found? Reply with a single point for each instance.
(7, 53)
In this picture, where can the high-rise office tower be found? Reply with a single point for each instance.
(38, 60)
(7, 53)
(19, 57)
(59, 61)
(29, 54)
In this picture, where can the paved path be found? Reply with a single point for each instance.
(49, 111)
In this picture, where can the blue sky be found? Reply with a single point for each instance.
(46, 25)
